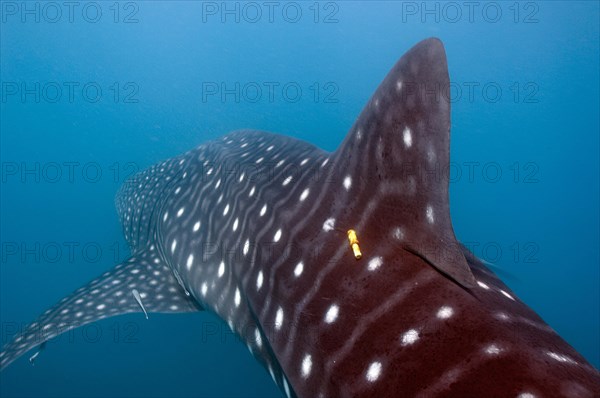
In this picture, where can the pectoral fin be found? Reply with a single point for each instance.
(109, 295)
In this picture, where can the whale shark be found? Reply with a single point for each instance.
(339, 270)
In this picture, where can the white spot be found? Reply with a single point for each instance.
(299, 268)
(101, 307)
(209, 172)
(173, 245)
(397, 233)
(176, 191)
(242, 177)
(259, 160)
(180, 212)
(287, 181)
(221, 269)
(259, 280)
(190, 261)
(507, 295)
(246, 246)
(483, 285)
(263, 210)
(325, 162)
(374, 371)
(196, 226)
(204, 289)
(165, 216)
(238, 298)
(374, 263)
(430, 154)
(279, 318)
(277, 236)
(429, 214)
(502, 316)
(399, 85)
(226, 210)
(252, 191)
(407, 137)
(257, 337)
(306, 366)
(303, 162)
(526, 395)
(410, 337)
(347, 183)
(560, 357)
(332, 314)
(304, 195)
(270, 148)
(445, 312)
(329, 224)
(492, 349)
(218, 183)
(173, 308)
(235, 224)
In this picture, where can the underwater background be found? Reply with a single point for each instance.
(94, 91)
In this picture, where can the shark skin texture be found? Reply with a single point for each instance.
(254, 227)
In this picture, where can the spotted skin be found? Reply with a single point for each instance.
(106, 296)
(253, 228)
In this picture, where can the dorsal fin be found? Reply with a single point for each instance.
(400, 148)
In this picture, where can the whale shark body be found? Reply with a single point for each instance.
(255, 228)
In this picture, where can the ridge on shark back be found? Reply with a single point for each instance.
(416, 316)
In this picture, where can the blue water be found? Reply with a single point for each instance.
(537, 222)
